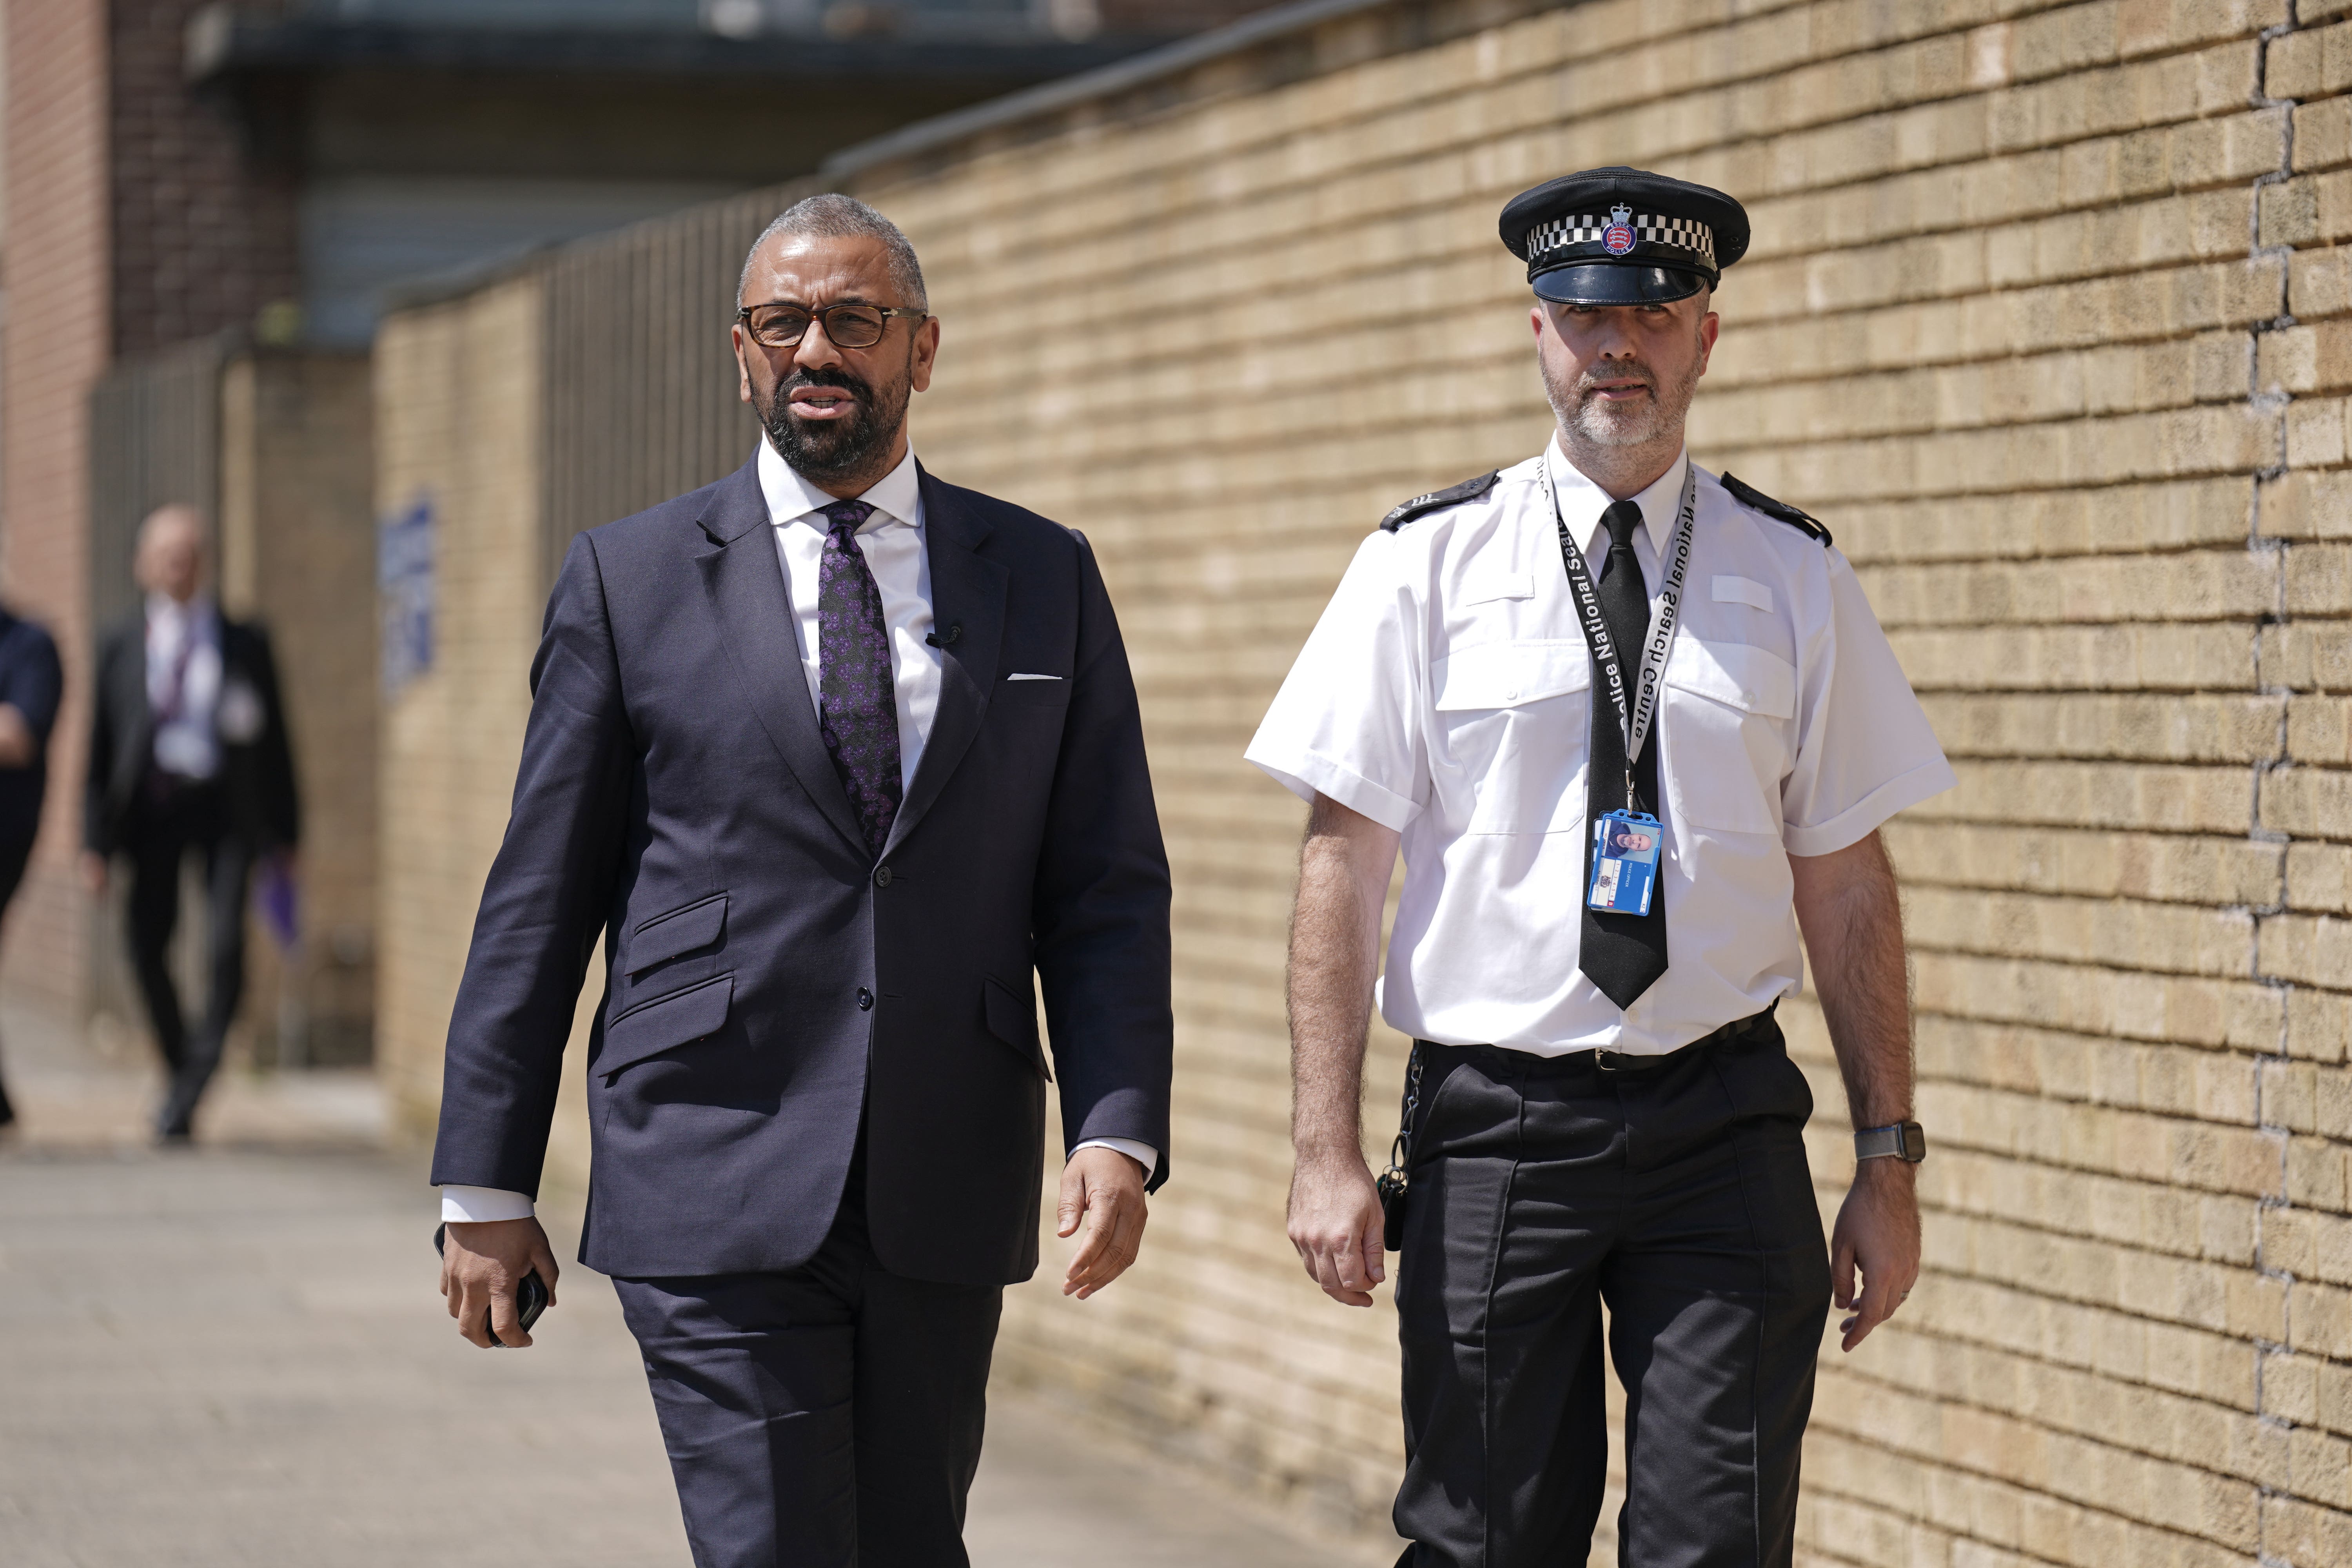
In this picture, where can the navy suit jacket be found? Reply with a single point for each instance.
(769, 979)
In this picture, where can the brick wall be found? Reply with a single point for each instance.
(2011, 326)
(205, 233)
(2046, 316)
(53, 346)
(458, 391)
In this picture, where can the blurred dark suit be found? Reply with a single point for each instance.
(32, 682)
(143, 807)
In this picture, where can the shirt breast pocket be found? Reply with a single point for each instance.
(1511, 718)
(1727, 713)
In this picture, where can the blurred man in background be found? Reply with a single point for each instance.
(188, 755)
(31, 682)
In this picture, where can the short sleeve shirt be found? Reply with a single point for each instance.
(1446, 693)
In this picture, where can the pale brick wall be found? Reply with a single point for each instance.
(458, 393)
(2046, 317)
(2009, 326)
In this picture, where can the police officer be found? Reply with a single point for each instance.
(1634, 726)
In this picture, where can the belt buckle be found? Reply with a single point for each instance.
(1604, 1061)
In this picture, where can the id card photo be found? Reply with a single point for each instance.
(1625, 862)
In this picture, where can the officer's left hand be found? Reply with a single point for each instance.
(1104, 1188)
(1878, 1232)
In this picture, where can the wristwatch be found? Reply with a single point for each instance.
(1904, 1140)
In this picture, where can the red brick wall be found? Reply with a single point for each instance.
(55, 344)
(203, 238)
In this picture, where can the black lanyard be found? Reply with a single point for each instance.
(1634, 715)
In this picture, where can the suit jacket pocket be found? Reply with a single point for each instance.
(1014, 1021)
(649, 1028)
(665, 936)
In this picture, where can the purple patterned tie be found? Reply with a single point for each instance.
(859, 710)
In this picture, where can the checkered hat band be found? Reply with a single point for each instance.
(1682, 233)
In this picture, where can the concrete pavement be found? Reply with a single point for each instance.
(236, 1355)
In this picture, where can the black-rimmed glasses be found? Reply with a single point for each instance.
(783, 326)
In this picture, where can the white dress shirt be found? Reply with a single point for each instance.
(1445, 693)
(183, 652)
(892, 541)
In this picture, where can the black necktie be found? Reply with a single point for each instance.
(1622, 954)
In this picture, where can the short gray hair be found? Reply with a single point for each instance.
(836, 216)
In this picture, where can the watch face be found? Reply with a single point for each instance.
(1915, 1143)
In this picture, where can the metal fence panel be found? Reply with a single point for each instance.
(154, 440)
(641, 395)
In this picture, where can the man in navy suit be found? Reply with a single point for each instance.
(830, 755)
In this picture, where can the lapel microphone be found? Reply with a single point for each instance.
(955, 630)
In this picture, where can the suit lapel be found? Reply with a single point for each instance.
(968, 594)
(754, 606)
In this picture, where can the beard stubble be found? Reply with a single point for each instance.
(1602, 424)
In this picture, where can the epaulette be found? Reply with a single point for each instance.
(1451, 494)
(1804, 523)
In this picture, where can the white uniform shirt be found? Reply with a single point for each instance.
(892, 541)
(1445, 693)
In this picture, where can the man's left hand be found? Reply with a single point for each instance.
(1878, 1232)
(1104, 1188)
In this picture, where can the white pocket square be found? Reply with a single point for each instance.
(1033, 677)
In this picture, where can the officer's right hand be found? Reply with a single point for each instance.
(482, 1263)
(1335, 1224)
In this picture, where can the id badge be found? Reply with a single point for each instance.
(1625, 862)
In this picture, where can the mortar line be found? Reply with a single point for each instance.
(2259, 402)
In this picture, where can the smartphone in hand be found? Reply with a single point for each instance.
(530, 1296)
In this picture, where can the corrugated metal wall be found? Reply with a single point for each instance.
(154, 440)
(641, 384)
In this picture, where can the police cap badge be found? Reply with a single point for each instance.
(1622, 237)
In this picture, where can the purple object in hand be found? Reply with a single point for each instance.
(280, 901)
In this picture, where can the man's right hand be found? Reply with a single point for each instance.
(1335, 1224)
(482, 1262)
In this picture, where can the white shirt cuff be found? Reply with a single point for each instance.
(1143, 1154)
(474, 1205)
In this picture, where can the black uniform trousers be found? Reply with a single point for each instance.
(828, 1416)
(172, 821)
(1678, 1194)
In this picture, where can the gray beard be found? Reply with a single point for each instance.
(1587, 422)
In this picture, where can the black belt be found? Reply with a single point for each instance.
(1598, 1060)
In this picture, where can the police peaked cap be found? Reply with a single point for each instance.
(1622, 237)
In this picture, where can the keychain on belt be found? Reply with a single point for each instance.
(1625, 842)
(1392, 1183)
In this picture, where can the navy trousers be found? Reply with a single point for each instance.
(1679, 1195)
(826, 1417)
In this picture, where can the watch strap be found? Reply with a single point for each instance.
(1886, 1142)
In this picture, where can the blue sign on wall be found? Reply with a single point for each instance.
(403, 583)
